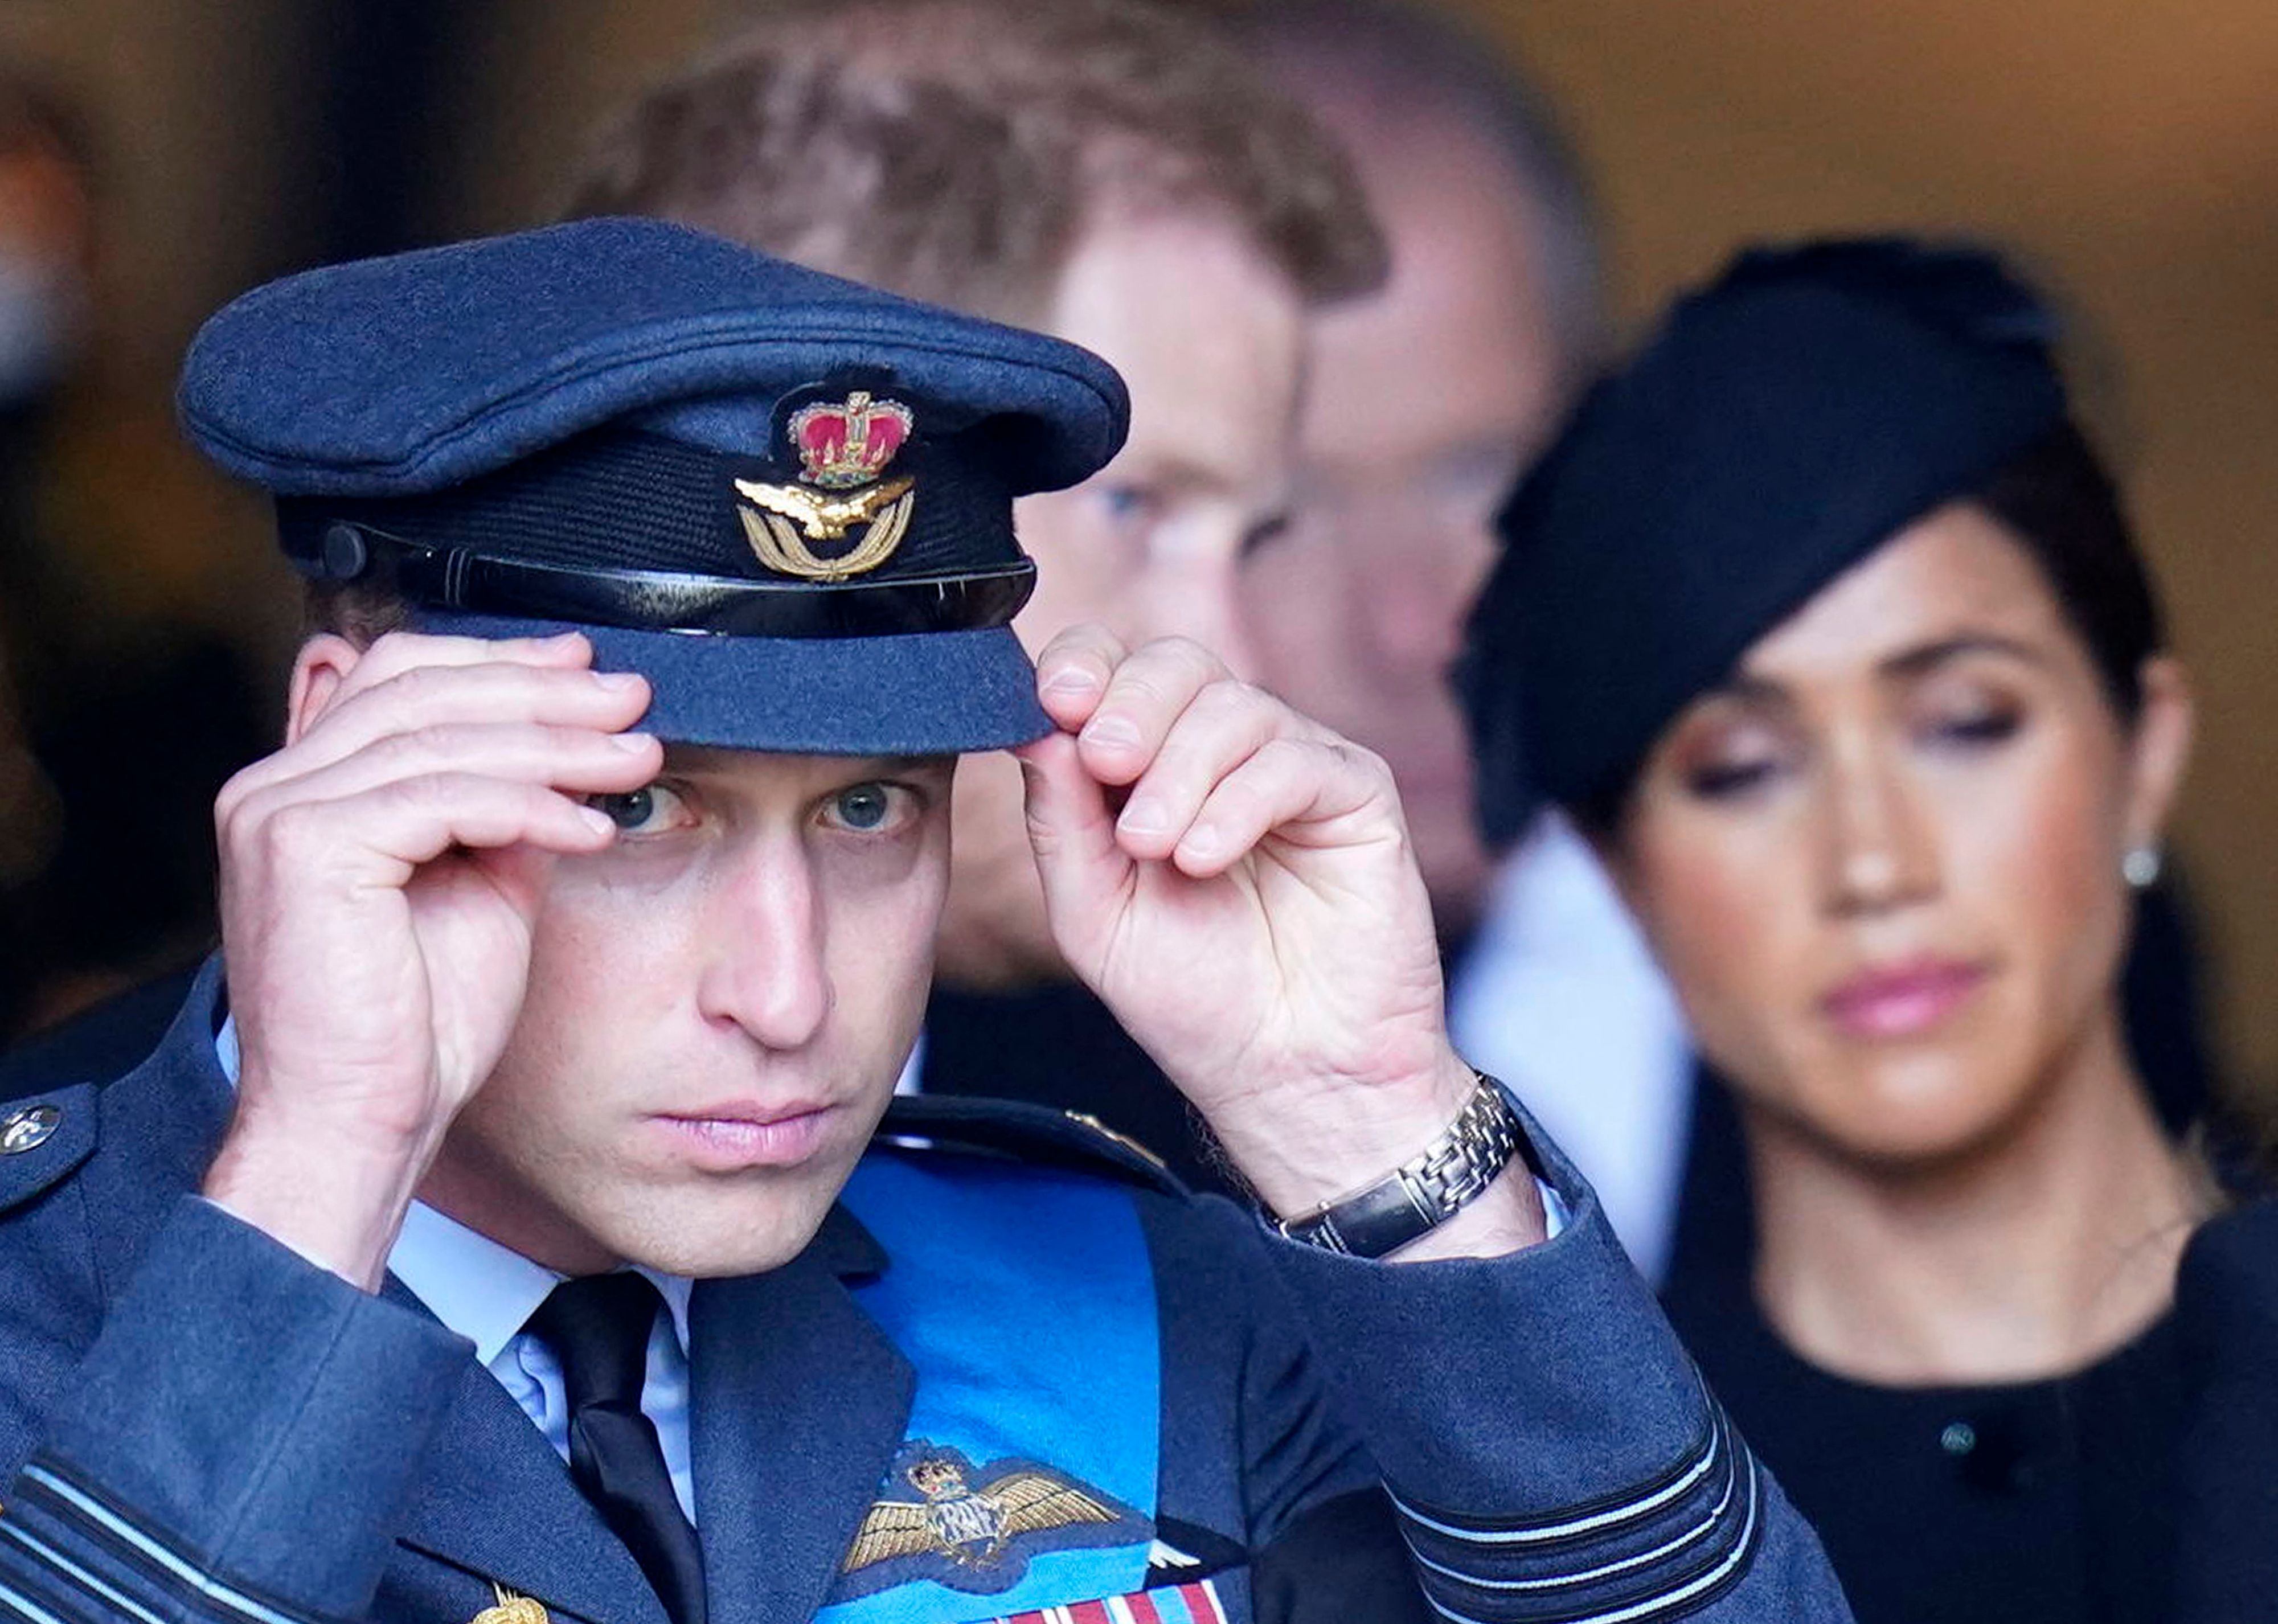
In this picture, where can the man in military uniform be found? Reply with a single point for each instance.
(507, 1237)
(1114, 173)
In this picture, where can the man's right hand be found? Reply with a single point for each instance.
(379, 879)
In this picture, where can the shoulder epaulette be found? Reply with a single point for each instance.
(1020, 1131)
(100, 1046)
(44, 1139)
(51, 1086)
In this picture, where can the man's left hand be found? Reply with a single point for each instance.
(1235, 883)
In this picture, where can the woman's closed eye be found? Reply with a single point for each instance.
(1966, 710)
(1730, 761)
(1975, 727)
(1726, 781)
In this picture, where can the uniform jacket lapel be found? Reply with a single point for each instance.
(800, 1402)
(497, 1501)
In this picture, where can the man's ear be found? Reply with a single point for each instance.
(2160, 748)
(319, 670)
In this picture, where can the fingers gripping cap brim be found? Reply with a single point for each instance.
(927, 694)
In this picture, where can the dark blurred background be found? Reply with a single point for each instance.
(2129, 152)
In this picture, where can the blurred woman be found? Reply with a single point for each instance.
(1824, 623)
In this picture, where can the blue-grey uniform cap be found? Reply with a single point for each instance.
(1784, 422)
(783, 497)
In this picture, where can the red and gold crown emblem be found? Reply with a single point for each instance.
(847, 444)
(843, 446)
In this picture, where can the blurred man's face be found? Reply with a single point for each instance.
(1423, 404)
(1209, 336)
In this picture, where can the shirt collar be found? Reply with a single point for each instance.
(486, 1291)
(480, 1289)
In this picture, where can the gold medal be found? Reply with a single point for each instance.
(511, 1608)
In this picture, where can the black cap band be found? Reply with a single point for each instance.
(458, 578)
(626, 527)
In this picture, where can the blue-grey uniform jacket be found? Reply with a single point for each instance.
(904, 1423)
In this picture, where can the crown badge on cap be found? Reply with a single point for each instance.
(843, 447)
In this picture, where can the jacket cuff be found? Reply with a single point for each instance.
(1547, 1442)
(237, 1445)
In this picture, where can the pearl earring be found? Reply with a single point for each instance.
(2141, 866)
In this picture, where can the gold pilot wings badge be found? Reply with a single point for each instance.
(843, 448)
(975, 1527)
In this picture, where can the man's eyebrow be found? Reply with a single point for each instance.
(1178, 473)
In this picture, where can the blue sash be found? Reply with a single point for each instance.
(1025, 1301)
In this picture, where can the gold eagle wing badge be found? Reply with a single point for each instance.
(970, 1526)
(843, 447)
(782, 519)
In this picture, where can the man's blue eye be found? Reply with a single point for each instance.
(638, 812)
(1126, 502)
(628, 810)
(864, 806)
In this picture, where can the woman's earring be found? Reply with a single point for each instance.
(2141, 866)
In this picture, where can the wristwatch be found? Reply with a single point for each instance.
(1427, 1190)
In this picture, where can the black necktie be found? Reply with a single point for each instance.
(599, 1328)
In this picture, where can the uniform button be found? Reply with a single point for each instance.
(1959, 1438)
(27, 1129)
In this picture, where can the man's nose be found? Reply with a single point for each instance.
(1198, 598)
(1411, 568)
(1414, 599)
(765, 973)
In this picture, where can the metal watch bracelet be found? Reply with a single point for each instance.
(1426, 1191)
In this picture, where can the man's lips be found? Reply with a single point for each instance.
(739, 1134)
(1904, 1000)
